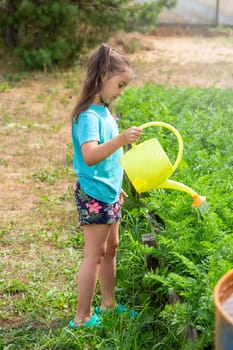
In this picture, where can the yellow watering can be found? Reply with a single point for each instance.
(148, 166)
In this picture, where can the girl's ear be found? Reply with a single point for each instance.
(107, 76)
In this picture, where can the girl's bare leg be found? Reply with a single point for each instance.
(107, 271)
(96, 238)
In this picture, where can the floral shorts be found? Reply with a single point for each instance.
(92, 211)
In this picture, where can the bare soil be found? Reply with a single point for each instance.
(182, 56)
(35, 113)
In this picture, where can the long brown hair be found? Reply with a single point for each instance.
(104, 60)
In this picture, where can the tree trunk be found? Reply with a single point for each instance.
(12, 29)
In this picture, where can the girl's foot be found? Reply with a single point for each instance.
(119, 309)
(95, 320)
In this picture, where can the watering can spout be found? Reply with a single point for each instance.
(175, 185)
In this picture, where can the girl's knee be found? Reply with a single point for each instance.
(112, 248)
(98, 255)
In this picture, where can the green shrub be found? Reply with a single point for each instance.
(53, 32)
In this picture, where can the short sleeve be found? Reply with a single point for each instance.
(88, 128)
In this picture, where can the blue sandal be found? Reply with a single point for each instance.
(95, 320)
(119, 309)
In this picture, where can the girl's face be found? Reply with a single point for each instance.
(114, 86)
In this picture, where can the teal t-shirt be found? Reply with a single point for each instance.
(102, 181)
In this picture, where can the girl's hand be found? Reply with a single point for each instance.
(123, 194)
(132, 134)
(94, 153)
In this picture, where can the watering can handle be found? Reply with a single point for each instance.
(177, 134)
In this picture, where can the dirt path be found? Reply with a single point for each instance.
(35, 126)
(183, 57)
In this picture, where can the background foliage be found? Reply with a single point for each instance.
(53, 32)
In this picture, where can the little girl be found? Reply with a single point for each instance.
(98, 194)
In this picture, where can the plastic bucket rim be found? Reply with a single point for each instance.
(217, 302)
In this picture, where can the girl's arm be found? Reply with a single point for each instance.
(94, 153)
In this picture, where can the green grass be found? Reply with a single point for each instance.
(39, 260)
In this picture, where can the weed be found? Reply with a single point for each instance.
(51, 176)
(4, 86)
(70, 84)
(132, 45)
